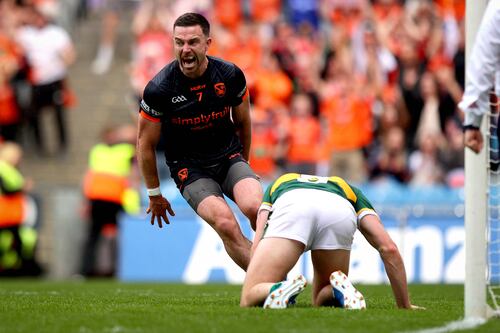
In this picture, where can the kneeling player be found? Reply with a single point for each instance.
(301, 213)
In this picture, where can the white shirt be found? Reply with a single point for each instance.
(483, 68)
(44, 48)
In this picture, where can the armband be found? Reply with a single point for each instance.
(153, 192)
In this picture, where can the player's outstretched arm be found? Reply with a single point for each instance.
(372, 229)
(259, 230)
(148, 137)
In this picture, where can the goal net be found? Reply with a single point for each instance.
(493, 215)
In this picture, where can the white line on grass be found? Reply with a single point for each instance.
(465, 324)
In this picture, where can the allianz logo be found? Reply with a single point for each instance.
(178, 99)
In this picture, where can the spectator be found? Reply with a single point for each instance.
(108, 187)
(272, 87)
(423, 25)
(346, 107)
(341, 13)
(451, 154)
(391, 160)
(11, 17)
(392, 110)
(10, 117)
(459, 58)
(244, 48)
(280, 46)
(410, 72)
(450, 91)
(153, 45)
(430, 120)
(266, 146)
(19, 237)
(50, 52)
(265, 12)
(371, 56)
(424, 164)
(107, 39)
(302, 12)
(228, 13)
(388, 16)
(304, 136)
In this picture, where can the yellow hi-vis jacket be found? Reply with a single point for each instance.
(12, 199)
(108, 172)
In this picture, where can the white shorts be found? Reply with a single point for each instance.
(319, 219)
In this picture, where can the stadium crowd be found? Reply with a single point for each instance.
(363, 89)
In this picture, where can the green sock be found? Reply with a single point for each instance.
(275, 286)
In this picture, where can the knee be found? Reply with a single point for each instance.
(250, 209)
(227, 228)
(244, 303)
(247, 296)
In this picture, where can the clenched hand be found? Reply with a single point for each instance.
(473, 139)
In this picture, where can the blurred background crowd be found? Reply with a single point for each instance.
(366, 90)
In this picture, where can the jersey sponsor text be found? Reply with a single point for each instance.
(202, 119)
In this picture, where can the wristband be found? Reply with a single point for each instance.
(152, 192)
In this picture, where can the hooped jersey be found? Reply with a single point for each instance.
(196, 113)
(337, 185)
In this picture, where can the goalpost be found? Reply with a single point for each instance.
(482, 220)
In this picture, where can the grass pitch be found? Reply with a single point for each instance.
(111, 306)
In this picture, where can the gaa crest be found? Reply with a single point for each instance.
(220, 89)
(182, 174)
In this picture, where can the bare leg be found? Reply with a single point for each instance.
(272, 260)
(248, 196)
(326, 262)
(216, 212)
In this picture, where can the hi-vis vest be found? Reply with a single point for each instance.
(109, 168)
(12, 201)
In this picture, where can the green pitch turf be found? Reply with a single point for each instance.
(110, 306)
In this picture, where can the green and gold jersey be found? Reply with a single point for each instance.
(337, 185)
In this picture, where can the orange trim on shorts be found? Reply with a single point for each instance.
(148, 117)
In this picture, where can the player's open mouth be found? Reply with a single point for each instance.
(188, 61)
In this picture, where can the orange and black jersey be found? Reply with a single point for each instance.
(196, 113)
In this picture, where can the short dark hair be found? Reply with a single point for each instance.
(192, 19)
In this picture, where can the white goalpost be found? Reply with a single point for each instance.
(482, 224)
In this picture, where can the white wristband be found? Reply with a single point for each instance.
(152, 192)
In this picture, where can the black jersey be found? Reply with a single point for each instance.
(196, 113)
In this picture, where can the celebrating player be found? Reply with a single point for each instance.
(200, 105)
(301, 213)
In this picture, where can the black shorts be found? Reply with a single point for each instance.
(198, 182)
(50, 94)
